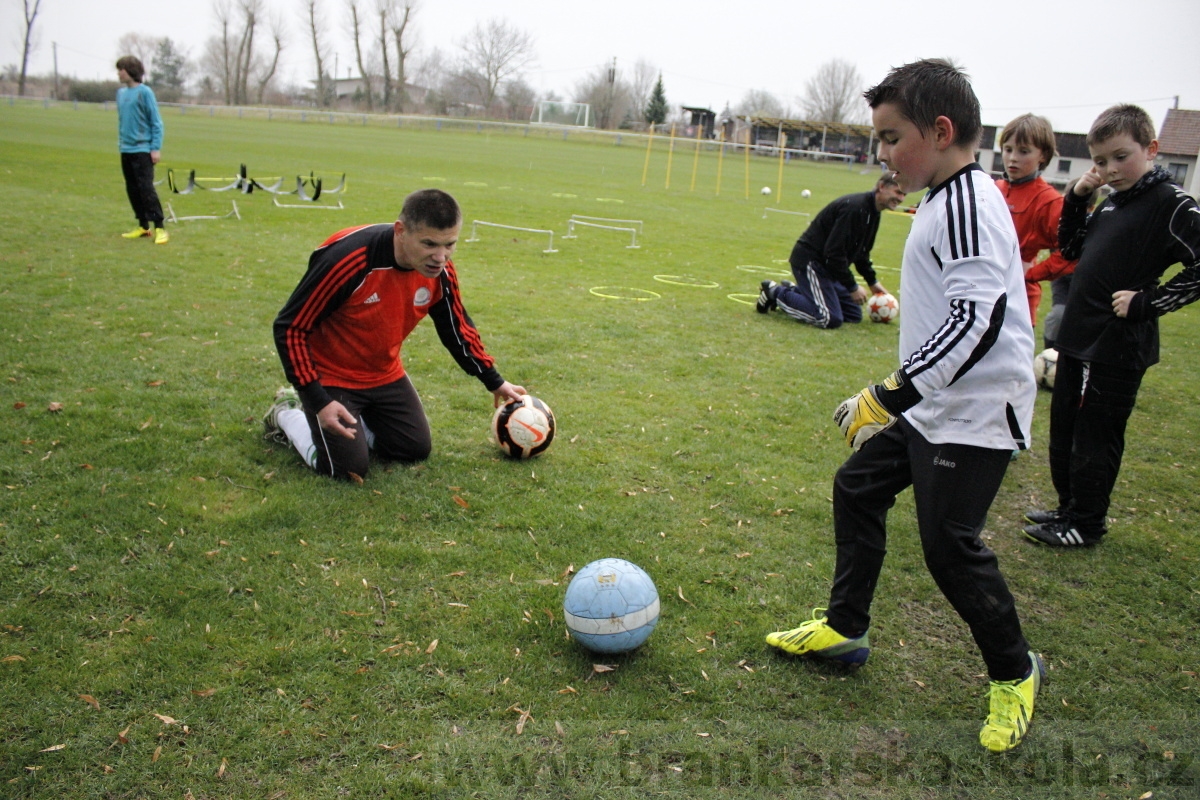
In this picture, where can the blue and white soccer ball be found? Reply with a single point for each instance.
(611, 606)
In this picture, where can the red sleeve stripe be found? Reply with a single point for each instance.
(468, 331)
(318, 299)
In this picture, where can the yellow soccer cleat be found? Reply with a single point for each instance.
(136, 233)
(815, 638)
(161, 236)
(1011, 708)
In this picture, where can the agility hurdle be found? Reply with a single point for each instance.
(477, 222)
(784, 211)
(310, 204)
(171, 214)
(636, 222)
(571, 223)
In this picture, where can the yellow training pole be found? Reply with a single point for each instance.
(649, 143)
(748, 165)
(670, 155)
(696, 157)
(779, 180)
(720, 159)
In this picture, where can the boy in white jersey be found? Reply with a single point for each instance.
(948, 419)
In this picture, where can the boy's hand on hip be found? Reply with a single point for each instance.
(1121, 301)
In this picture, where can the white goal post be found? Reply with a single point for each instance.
(561, 112)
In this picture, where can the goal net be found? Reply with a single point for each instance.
(561, 112)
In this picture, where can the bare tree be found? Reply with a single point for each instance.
(230, 56)
(268, 72)
(834, 94)
(518, 99)
(399, 21)
(139, 45)
(355, 30)
(607, 93)
(493, 52)
(320, 50)
(759, 103)
(641, 85)
(29, 42)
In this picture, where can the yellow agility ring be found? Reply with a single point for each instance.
(760, 270)
(742, 297)
(687, 280)
(624, 293)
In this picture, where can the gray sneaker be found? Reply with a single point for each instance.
(285, 398)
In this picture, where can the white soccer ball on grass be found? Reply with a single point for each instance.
(766, 190)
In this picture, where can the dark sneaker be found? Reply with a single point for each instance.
(766, 297)
(1039, 517)
(1060, 533)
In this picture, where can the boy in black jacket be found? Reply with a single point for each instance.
(1109, 333)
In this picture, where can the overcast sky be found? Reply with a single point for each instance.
(1066, 60)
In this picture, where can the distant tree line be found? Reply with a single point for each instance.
(484, 76)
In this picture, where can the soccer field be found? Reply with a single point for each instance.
(185, 610)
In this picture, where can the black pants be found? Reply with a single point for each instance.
(953, 487)
(395, 416)
(139, 185)
(1088, 413)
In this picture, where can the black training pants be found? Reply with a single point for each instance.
(139, 185)
(953, 487)
(395, 416)
(1088, 413)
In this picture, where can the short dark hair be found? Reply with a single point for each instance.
(1033, 131)
(1124, 118)
(432, 208)
(133, 67)
(887, 179)
(925, 90)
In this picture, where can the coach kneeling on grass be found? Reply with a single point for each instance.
(825, 293)
(339, 337)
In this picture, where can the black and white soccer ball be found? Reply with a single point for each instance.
(523, 428)
(1045, 364)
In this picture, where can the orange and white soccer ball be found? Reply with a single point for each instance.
(523, 428)
(883, 307)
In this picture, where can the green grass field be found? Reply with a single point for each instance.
(187, 611)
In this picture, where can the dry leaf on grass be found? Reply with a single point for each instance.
(204, 692)
(18, 405)
(166, 720)
(461, 502)
(11, 658)
(52, 748)
(354, 476)
(155, 383)
(432, 646)
(157, 754)
(54, 408)
(601, 668)
(123, 736)
(221, 769)
(91, 701)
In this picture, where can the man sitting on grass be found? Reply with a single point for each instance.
(339, 338)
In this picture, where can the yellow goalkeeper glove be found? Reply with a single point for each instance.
(875, 409)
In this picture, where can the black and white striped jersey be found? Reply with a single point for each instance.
(966, 341)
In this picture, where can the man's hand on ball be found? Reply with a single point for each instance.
(506, 393)
(862, 416)
(332, 417)
(859, 295)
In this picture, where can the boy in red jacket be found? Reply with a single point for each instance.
(1027, 144)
